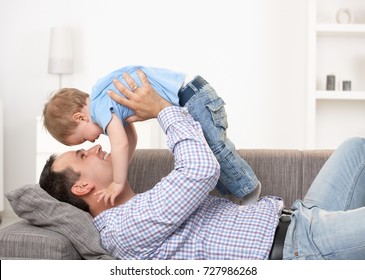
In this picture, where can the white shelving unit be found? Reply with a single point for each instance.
(339, 49)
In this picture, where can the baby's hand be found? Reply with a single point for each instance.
(110, 193)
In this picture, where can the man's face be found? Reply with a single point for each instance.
(94, 165)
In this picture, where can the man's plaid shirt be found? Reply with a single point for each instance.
(178, 219)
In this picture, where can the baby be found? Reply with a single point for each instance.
(73, 117)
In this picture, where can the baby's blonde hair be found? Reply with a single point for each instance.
(59, 110)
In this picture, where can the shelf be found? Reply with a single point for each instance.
(334, 116)
(333, 28)
(340, 95)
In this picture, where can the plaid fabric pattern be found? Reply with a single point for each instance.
(178, 219)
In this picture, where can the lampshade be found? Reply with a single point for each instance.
(60, 51)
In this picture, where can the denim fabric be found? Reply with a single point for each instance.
(329, 223)
(206, 107)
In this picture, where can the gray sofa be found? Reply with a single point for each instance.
(284, 173)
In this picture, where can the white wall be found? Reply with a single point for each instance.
(253, 52)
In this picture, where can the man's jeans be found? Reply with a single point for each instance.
(330, 221)
(207, 108)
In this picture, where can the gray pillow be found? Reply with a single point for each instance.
(34, 204)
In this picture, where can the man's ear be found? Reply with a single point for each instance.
(79, 117)
(81, 188)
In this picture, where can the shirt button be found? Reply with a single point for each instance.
(296, 254)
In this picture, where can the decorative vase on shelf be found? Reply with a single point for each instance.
(344, 16)
(331, 82)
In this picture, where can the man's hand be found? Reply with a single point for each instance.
(144, 101)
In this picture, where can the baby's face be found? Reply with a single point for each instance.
(85, 131)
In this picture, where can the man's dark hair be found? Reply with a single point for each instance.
(59, 184)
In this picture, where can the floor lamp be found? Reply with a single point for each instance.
(60, 52)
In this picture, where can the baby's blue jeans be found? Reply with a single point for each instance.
(206, 107)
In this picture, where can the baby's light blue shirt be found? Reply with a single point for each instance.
(166, 82)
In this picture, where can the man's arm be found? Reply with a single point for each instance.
(163, 209)
(160, 212)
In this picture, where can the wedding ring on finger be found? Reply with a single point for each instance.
(135, 87)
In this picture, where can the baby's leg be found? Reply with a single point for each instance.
(206, 107)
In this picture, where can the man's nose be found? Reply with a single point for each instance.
(94, 149)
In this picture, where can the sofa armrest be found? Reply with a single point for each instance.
(22, 240)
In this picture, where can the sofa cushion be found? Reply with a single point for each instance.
(147, 168)
(279, 171)
(313, 160)
(22, 240)
(32, 203)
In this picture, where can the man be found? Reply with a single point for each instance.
(177, 219)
